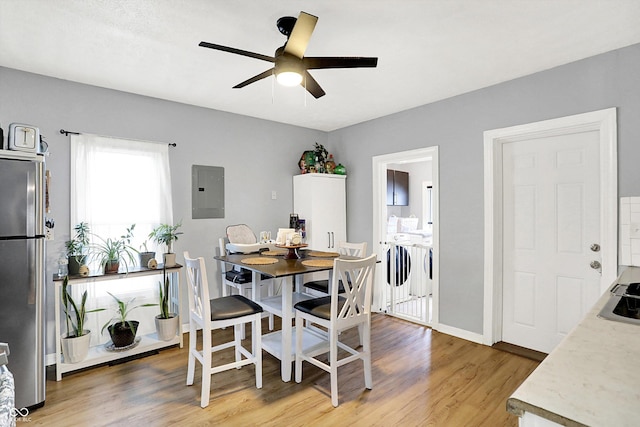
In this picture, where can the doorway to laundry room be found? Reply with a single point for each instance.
(405, 220)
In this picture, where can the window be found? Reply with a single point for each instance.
(116, 183)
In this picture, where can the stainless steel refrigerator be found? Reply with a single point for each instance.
(22, 273)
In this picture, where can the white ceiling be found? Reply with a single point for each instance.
(428, 50)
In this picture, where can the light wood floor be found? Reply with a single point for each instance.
(420, 378)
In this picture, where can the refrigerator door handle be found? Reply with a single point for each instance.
(31, 203)
(35, 201)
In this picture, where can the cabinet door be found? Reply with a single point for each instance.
(329, 214)
(401, 188)
(390, 187)
(321, 201)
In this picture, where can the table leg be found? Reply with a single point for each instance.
(287, 330)
(255, 286)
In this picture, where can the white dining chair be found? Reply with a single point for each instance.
(344, 248)
(337, 313)
(240, 281)
(210, 314)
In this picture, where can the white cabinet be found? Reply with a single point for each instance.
(321, 200)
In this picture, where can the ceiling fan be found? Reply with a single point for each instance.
(290, 65)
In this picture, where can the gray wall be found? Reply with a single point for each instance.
(258, 156)
(456, 125)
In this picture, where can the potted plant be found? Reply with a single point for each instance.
(146, 255)
(77, 247)
(121, 329)
(75, 343)
(111, 252)
(166, 234)
(166, 322)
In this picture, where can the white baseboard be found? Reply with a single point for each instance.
(50, 359)
(460, 333)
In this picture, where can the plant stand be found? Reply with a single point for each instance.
(99, 354)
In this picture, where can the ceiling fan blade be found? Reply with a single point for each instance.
(300, 35)
(254, 79)
(312, 85)
(238, 51)
(311, 63)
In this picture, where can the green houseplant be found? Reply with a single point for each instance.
(75, 344)
(77, 247)
(121, 329)
(111, 252)
(166, 234)
(166, 322)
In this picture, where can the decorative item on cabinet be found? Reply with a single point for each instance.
(317, 160)
(340, 170)
(307, 160)
(321, 157)
(330, 165)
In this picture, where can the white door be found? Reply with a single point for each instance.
(551, 219)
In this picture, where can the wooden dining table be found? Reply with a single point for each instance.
(281, 344)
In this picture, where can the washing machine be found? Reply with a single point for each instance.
(402, 259)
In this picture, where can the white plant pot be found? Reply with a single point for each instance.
(75, 349)
(169, 259)
(167, 328)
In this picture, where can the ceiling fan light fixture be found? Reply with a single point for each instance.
(288, 69)
(289, 78)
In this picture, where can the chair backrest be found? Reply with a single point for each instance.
(354, 305)
(198, 290)
(241, 233)
(353, 249)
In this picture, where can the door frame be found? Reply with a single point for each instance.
(603, 121)
(379, 172)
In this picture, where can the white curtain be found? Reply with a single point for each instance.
(116, 183)
(119, 182)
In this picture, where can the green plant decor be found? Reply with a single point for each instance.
(77, 246)
(122, 312)
(75, 314)
(166, 234)
(111, 250)
(164, 297)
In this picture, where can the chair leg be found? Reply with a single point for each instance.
(360, 333)
(365, 336)
(238, 332)
(191, 365)
(256, 340)
(206, 368)
(333, 361)
(298, 360)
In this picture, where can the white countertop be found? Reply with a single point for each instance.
(592, 378)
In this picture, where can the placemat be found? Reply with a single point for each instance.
(318, 262)
(273, 253)
(320, 254)
(259, 261)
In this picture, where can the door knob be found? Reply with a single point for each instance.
(595, 265)
(595, 247)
